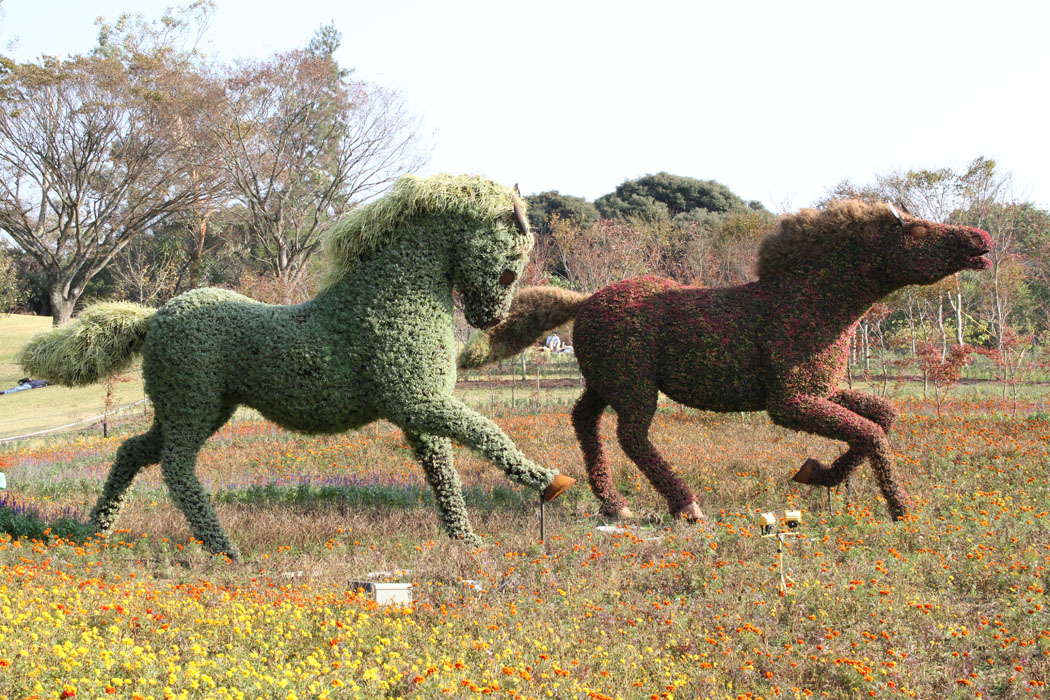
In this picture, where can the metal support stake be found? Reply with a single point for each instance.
(543, 520)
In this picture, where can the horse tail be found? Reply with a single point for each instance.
(534, 311)
(101, 341)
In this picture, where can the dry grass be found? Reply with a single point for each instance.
(950, 604)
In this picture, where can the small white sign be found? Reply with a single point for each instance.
(385, 593)
(3, 481)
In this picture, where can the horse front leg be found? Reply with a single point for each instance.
(828, 419)
(435, 454)
(879, 411)
(447, 416)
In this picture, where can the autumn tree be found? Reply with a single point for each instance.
(95, 150)
(299, 142)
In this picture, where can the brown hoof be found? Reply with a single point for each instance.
(560, 485)
(805, 473)
(623, 513)
(691, 512)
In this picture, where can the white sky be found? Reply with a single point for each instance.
(777, 100)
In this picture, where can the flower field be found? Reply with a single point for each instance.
(949, 604)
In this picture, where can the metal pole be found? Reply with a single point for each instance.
(543, 520)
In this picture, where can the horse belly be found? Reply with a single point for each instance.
(325, 405)
(716, 391)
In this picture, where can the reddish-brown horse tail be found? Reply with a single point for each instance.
(534, 312)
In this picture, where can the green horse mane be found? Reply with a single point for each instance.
(368, 228)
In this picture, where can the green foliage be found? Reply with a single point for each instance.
(663, 194)
(101, 341)
(546, 205)
(377, 342)
(12, 293)
(325, 42)
(364, 496)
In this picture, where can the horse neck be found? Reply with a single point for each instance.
(420, 266)
(837, 300)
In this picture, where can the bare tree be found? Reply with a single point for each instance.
(600, 254)
(94, 151)
(299, 143)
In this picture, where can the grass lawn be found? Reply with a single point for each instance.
(51, 406)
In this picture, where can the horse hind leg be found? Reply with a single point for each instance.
(586, 420)
(435, 454)
(136, 452)
(633, 434)
(178, 467)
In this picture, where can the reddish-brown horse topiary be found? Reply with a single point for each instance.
(778, 344)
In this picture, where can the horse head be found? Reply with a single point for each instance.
(492, 254)
(922, 252)
(872, 244)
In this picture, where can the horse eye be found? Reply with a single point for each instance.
(918, 232)
(508, 277)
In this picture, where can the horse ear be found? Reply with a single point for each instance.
(896, 213)
(519, 218)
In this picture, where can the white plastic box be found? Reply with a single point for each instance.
(385, 593)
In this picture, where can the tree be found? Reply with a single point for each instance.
(95, 150)
(11, 292)
(670, 195)
(938, 195)
(299, 143)
(598, 255)
(544, 206)
(1021, 232)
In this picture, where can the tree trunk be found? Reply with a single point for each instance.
(940, 326)
(867, 349)
(997, 300)
(61, 306)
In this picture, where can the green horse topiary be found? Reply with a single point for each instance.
(376, 342)
(778, 344)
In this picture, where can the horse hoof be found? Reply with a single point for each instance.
(691, 512)
(560, 485)
(622, 513)
(805, 473)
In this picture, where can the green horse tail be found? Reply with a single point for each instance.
(534, 311)
(101, 341)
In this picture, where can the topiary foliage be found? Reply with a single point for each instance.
(377, 342)
(103, 341)
(779, 344)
